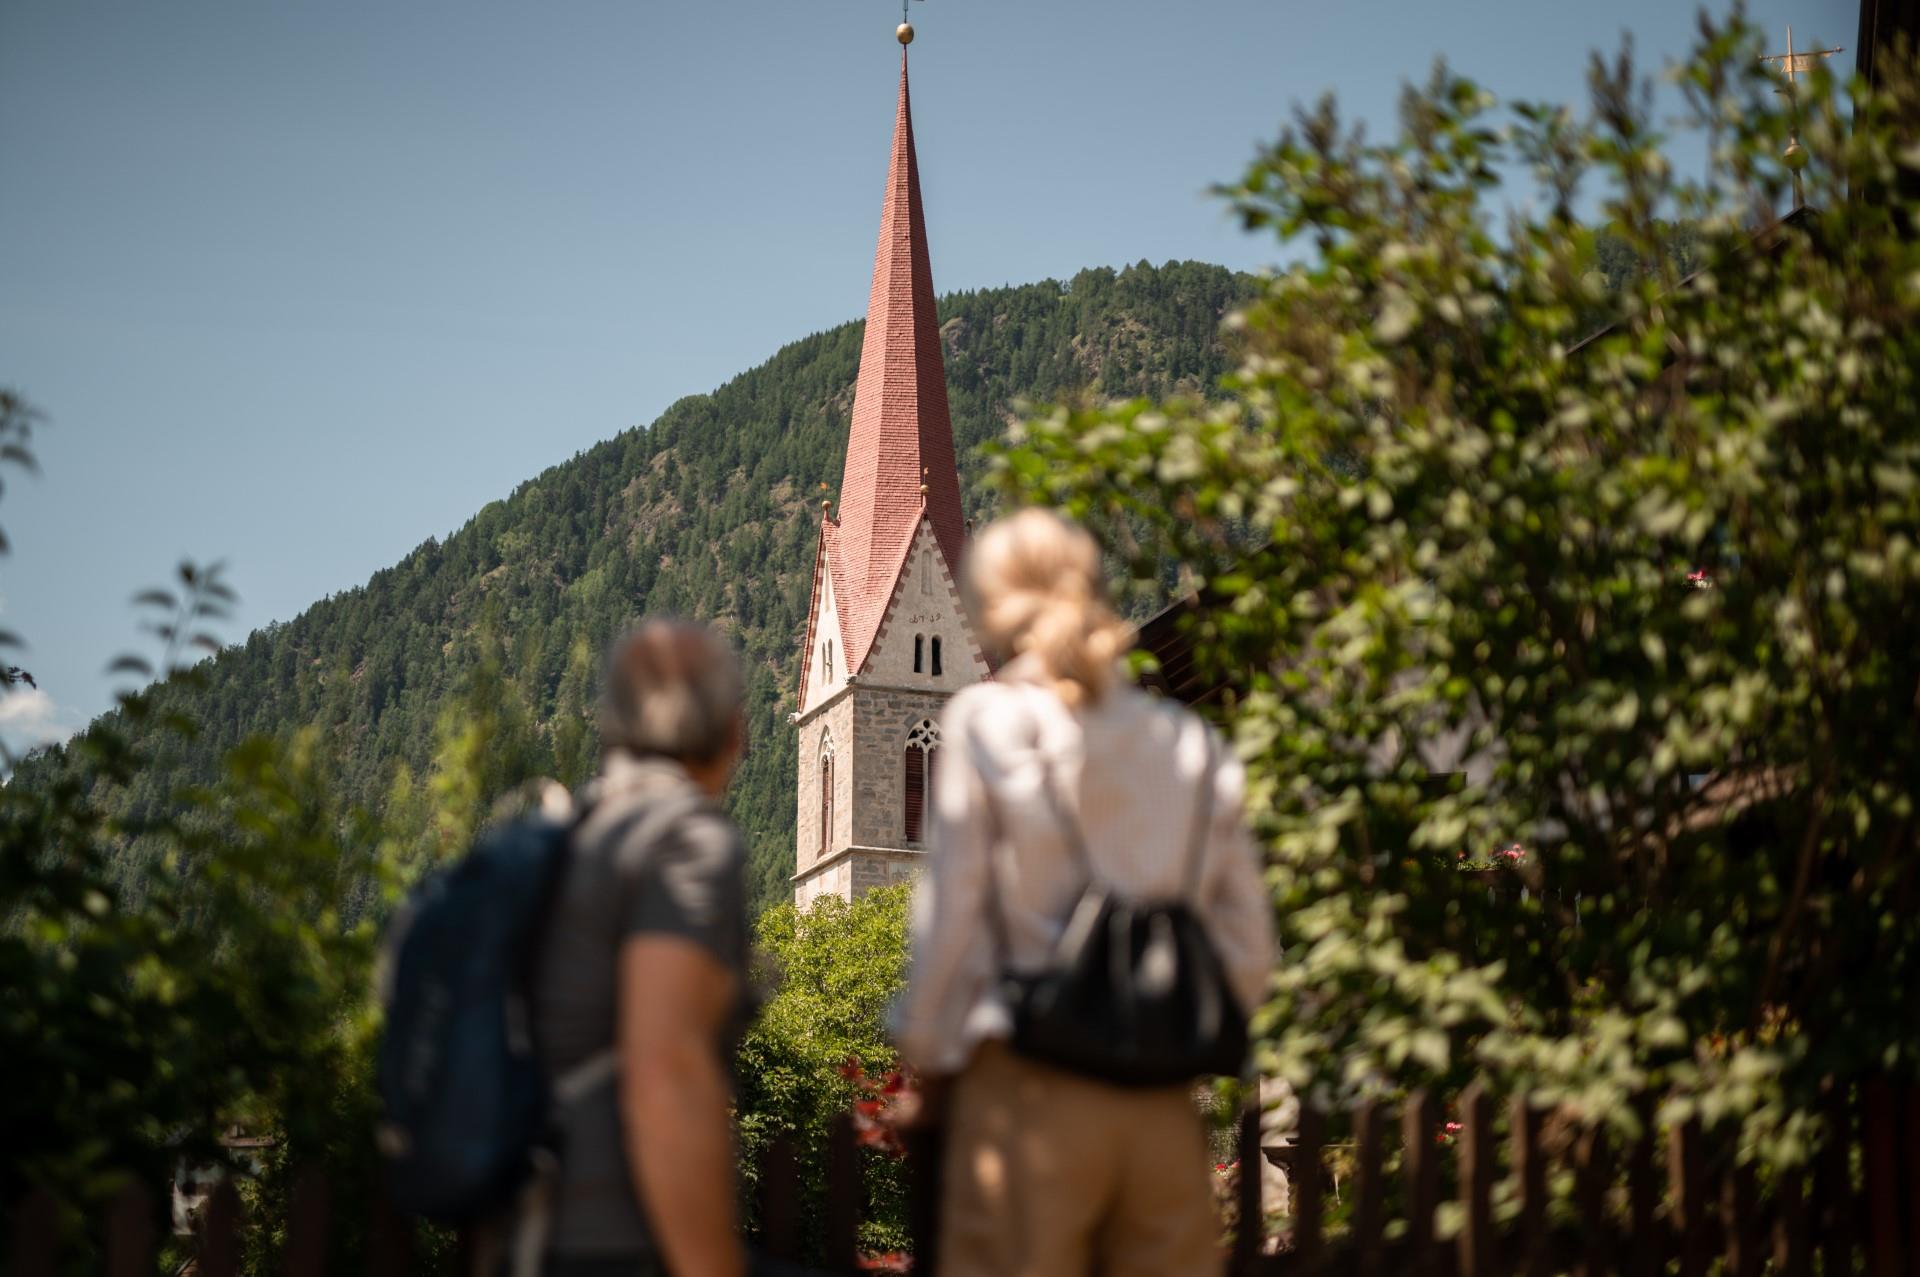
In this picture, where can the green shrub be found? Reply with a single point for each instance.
(833, 968)
(1644, 557)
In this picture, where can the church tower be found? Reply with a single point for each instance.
(886, 641)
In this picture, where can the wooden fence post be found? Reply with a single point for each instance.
(307, 1226)
(1687, 1186)
(1250, 1228)
(1643, 1194)
(926, 1150)
(36, 1226)
(1529, 1167)
(1880, 1160)
(1369, 1198)
(1309, 1186)
(390, 1239)
(1910, 1168)
(1833, 1187)
(1477, 1258)
(1744, 1255)
(1792, 1256)
(1592, 1174)
(843, 1197)
(1420, 1166)
(466, 1250)
(780, 1199)
(1248, 1195)
(219, 1250)
(130, 1233)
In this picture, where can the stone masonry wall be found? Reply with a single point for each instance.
(869, 727)
(881, 720)
(837, 720)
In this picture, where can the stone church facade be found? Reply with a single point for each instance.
(887, 639)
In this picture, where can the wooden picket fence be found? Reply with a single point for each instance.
(1666, 1204)
(1675, 1203)
(132, 1249)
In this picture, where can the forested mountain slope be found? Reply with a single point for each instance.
(487, 643)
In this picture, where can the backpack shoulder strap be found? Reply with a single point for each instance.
(586, 1077)
(1202, 818)
(1070, 834)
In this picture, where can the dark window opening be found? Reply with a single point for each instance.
(916, 806)
(936, 658)
(919, 651)
(826, 802)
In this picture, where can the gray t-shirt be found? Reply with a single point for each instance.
(654, 856)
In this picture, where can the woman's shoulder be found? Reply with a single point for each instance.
(1194, 746)
(985, 703)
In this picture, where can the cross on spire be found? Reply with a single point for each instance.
(1792, 63)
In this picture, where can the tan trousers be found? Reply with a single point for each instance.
(1051, 1175)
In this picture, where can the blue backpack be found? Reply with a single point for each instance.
(467, 1107)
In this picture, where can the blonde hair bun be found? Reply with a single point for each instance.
(1037, 590)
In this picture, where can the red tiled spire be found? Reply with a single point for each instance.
(901, 434)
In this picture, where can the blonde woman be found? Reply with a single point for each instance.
(1057, 771)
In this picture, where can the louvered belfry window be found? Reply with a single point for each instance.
(922, 741)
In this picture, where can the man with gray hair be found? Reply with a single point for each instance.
(646, 954)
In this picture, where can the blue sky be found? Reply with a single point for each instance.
(299, 285)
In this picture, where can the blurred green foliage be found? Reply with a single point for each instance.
(832, 972)
(228, 986)
(1629, 560)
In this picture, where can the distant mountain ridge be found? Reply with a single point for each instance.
(711, 512)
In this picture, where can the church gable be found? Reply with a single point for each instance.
(924, 639)
(824, 671)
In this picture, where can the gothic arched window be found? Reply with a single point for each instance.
(826, 793)
(922, 742)
(920, 653)
(936, 657)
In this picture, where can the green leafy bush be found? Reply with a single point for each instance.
(1501, 543)
(833, 969)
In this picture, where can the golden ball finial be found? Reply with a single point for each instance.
(1796, 156)
(904, 33)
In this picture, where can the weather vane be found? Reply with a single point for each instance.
(1793, 64)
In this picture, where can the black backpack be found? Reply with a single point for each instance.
(466, 1106)
(1134, 992)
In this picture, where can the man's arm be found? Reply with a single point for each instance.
(674, 998)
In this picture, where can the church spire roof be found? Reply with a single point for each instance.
(900, 460)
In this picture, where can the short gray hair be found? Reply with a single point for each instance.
(674, 689)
